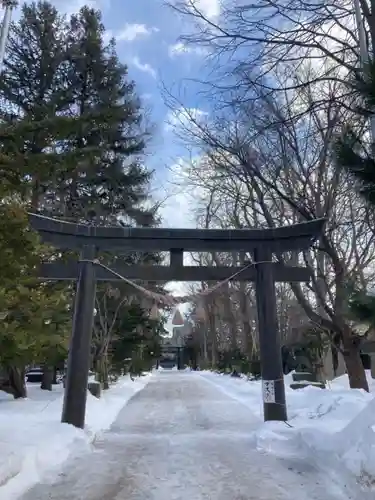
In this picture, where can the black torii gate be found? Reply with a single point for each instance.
(90, 240)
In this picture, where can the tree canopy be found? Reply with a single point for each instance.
(72, 145)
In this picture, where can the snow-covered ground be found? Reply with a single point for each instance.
(34, 442)
(332, 431)
(183, 438)
(336, 426)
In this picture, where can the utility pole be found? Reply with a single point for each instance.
(364, 53)
(8, 5)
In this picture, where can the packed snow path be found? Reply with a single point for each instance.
(182, 438)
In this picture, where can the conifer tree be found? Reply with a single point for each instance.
(356, 156)
(70, 119)
(111, 181)
(72, 141)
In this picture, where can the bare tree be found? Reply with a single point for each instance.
(249, 43)
(235, 324)
(109, 302)
(270, 168)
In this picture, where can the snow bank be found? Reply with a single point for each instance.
(34, 442)
(335, 425)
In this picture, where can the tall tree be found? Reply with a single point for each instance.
(110, 184)
(70, 116)
(34, 99)
(271, 166)
(250, 43)
(110, 181)
(34, 316)
(356, 154)
(355, 149)
(71, 127)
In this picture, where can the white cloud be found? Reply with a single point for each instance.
(313, 68)
(176, 212)
(176, 209)
(179, 208)
(132, 31)
(73, 6)
(180, 48)
(182, 117)
(210, 8)
(177, 49)
(144, 67)
(180, 199)
(177, 202)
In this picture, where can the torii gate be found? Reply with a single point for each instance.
(90, 240)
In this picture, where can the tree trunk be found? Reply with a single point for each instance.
(98, 369)
(246, 327)
(213, 335)
(105, 373)
(15, 382)
(351, 354)
(319, 369)
(203, 331)
(102, 371)
(47, 378)
(229, 316)
(353, 362)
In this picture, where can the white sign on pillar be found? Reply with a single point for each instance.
(268, 389)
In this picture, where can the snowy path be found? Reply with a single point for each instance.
(181, 438)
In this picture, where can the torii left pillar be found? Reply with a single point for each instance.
(75, 395)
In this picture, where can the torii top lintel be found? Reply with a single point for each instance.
(67, 235)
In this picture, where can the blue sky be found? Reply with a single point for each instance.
(147, 33)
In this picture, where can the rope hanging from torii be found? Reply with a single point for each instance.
(298, 236)
(167, 299)
(170, 300)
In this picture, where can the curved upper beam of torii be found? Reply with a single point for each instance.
(71, 235)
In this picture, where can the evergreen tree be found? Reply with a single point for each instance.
(137, 343)
(111, 185)
(33, 119)
(70, 120)
(355, 151)
(34, 316)
(111, 182)
(72, 140)
(34, 102)
(362, 307)
(356, 155)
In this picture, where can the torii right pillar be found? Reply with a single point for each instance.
(274, 403)
(295, 238)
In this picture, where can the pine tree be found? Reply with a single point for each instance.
(33, 115)
(111, 185)
(72, 140)
(70, 120)
(111, 182)
(137, 341)
(34, 316)
(356, 156)
(34, 101)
